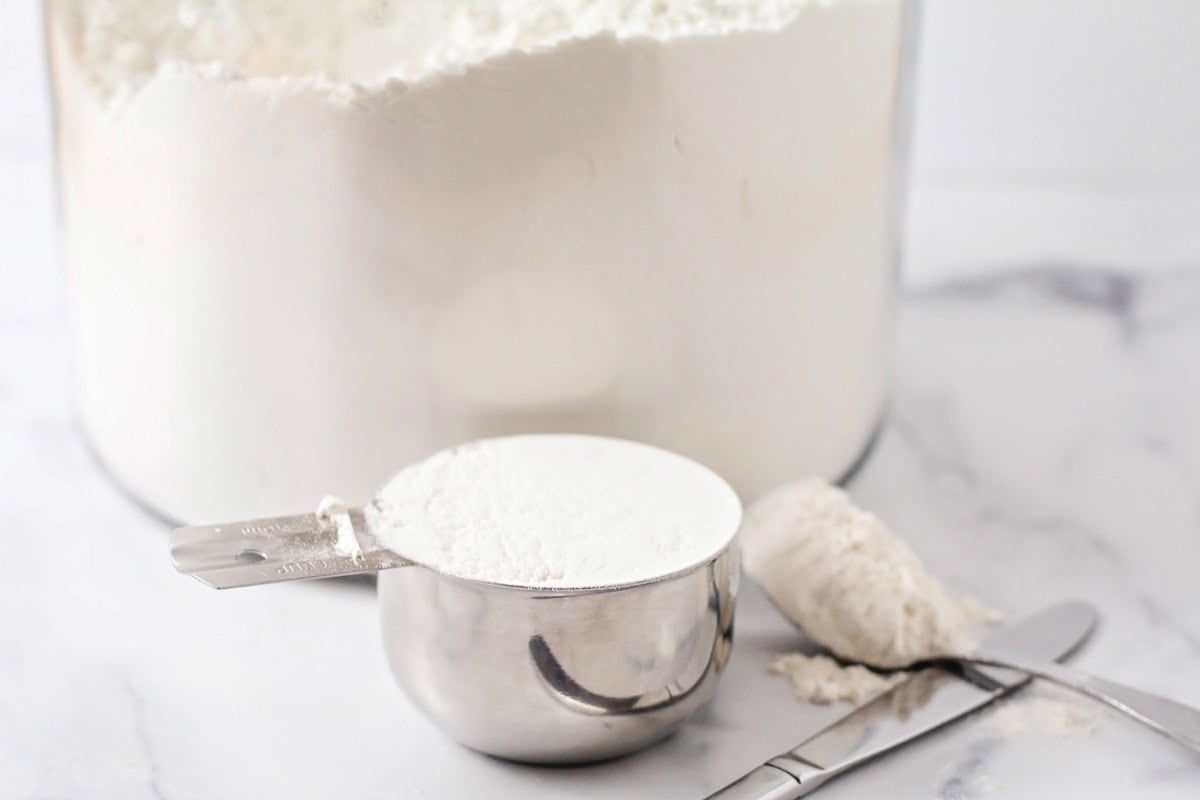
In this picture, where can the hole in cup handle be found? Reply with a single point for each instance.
(276, 549)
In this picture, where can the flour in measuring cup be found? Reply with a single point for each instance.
(558, 510)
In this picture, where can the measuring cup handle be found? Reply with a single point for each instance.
(300, 547)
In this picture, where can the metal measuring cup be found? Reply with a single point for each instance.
(530, 674)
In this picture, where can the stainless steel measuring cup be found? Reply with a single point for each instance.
(530, 674)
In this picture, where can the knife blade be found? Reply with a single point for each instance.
(928, 699)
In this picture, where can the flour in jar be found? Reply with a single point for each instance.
(556, 511)
(307, 239)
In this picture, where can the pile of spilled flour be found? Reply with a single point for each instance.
(851, 585)
(821, 679)
(1045, 712)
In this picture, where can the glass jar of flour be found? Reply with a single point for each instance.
(308, 242)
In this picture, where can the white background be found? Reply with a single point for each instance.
(1063, 131)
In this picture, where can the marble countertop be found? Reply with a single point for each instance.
(1043, 442)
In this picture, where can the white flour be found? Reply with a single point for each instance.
(333, 511)
(820, 679)
(556, 511)
(307, 240)
(1045, 712)
(851, 584)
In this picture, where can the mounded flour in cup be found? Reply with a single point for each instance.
(309, 238)
(556, 510)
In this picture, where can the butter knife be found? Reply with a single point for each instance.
(926, 700)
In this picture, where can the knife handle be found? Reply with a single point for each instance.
(782, 778)
(764, 783)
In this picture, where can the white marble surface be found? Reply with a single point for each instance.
(1043, 442)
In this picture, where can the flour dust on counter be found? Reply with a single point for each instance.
(820, 679)
(1045, 712)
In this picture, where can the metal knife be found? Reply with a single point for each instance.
(927, 700)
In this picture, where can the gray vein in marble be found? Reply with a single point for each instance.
(1106, 290)
(966, 774)
(942, 452)
(1029, 523)
(936, 445)
(1188, 479)
(1158, 618)
(1127, 297)
(138, 709)
(933, 440)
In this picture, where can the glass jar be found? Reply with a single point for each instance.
(309, 244)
